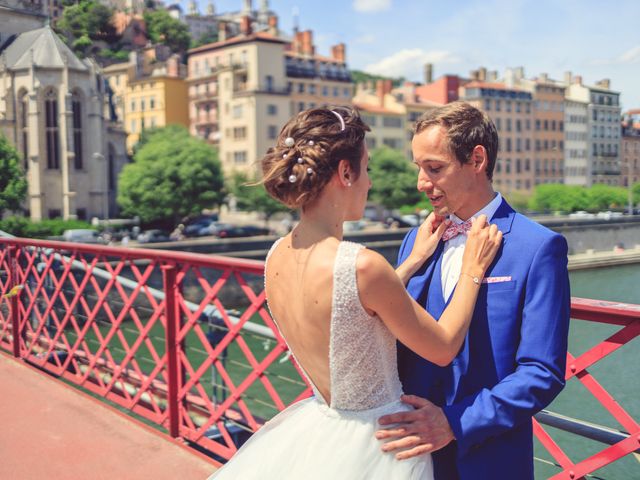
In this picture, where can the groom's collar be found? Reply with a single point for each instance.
(503, 218)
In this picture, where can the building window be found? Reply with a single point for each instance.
(272, 132)
(152, 103)
(392, 122)
(239, 133)
(133, 105)
(301, 88)
(272, 109)
(24, 129)
(77, 132)
(51, 130)
(111, 166)
(239, 158)
(312, 89)
(81, 213)
(237, 111)
(142, 104)
(325, 91)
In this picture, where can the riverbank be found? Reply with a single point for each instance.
(591, 259)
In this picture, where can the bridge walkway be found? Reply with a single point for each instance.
(51, 430)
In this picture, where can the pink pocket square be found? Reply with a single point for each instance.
(496, 279)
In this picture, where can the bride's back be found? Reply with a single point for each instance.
(299, 286)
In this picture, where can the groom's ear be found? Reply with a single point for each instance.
(479, 159)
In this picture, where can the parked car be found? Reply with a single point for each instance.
(153, 236)
(82, 235)
(193, 227)
(254, 231)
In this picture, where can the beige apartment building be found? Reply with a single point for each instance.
(243, 89)
(511, 109)
(391, 113)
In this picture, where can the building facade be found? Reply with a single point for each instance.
(243, 89)
(391, 113)
(630, 158)
(603, 130)
(149, 91)
(54, 108)
(511, 109)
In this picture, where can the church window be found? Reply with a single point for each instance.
(77, 132)
(24, 129)
(51, 130)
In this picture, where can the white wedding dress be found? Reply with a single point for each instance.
(313, 440)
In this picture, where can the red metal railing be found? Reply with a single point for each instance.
(185, 340)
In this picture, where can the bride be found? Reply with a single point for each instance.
(341, 308)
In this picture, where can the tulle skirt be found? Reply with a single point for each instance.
(309, 440)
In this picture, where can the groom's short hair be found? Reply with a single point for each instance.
(466, 127)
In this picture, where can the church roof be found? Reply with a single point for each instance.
(48, 51)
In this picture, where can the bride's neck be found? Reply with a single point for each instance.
(320, 221)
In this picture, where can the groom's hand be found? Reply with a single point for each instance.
(423, 430)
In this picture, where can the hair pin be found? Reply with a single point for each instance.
(289, 142)
(292, 178)
(342, 124)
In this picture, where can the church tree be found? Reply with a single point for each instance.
(13, 185)
(84, 22)
(163, 28)
(173, 175)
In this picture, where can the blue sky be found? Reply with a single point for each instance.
(595, 39)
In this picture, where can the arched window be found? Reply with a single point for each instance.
(76, 104)
(24, 128)
(51, 129)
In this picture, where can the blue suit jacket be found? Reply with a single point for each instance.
(512, 362)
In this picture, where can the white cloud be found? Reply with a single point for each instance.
(630, 56)
(371, 5)
(409, 63)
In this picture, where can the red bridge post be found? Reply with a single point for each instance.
(170, 288)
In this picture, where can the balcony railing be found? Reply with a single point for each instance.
(185, 341)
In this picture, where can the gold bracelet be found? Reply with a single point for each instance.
(476, 280)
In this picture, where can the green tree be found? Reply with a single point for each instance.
(559, 198)
(13, 185)
(163, 28)
(359, 76)
(393, 179)
(604, 197)
(173, 176)
(518, 200)
(252, 197)
(85, 21)
(209, 37)
(636, 193)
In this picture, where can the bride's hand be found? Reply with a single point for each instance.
(483, 242)
(428, 236)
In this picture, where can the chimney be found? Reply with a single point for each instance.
(577, 79)
(273, 25)
(474, 75)
(338, 53)
(173, 66)
(380, 92)
(388, 86)
(567, 78)
(519, 73)
(245, 25)
(604, 83)
(544, 77)
(428, 73)
(222, 31)
(482, 74)
(492, 76)
(307, 43)
(297, 42)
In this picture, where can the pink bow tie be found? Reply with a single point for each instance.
(456, 229)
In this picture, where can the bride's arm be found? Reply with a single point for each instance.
(382, 292)
(426, 241)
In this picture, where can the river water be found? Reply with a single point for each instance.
(619, 373)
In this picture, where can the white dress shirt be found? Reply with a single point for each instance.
(454, 249)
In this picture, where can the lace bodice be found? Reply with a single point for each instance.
(362, 351)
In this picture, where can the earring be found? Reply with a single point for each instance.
(348, 184)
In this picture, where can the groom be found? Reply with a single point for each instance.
(475, 414)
